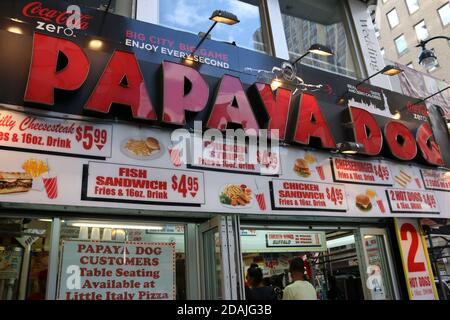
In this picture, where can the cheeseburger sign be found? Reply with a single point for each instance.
(122, 83)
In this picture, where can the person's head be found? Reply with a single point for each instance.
(297, 269)
(254, 275)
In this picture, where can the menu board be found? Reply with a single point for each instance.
(123, 183)
(409, 201)
(294, 239)
(302, 195)
(234, 156)
(54, 135)
(92, 270)
(362, 172)
(436, 180)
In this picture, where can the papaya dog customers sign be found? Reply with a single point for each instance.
(93, 270)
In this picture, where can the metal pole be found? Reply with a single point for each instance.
(204, 37)
(52, 273)
(430, 240)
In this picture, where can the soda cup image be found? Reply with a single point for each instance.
(418, 183)
(261, 201)
(381, 205)
(320, 172)
(175, 156)
(51, 186)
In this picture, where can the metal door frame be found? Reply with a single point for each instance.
(362, 255)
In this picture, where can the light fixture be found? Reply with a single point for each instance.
(115, 226)
(343, 241)
(428, 58)
(224, 17)
(389, 70)
(397, 115)
(17, 20)
(317, 49)
(218, 16)
(16, 30)
(95, 44)
(348, 147)
(275, 84)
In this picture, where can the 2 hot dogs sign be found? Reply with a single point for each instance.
(122, 83)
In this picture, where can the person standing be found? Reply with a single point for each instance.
(300, 289)
(257, 290)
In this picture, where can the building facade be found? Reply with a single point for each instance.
(111, 189)
(402, 24)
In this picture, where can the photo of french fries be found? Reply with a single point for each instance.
(35, 167)
(236, 195)
(403, 178)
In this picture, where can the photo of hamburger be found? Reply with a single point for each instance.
(301, 167)
(363, 202)
(141, 148)
(14, 182)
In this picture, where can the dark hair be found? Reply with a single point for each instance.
(297, 265)
(255, 273)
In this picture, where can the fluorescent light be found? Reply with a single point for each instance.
(340, 241)
(116, 226)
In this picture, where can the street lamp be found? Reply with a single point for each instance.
(318, 49)
(428, 58)
(218, 16)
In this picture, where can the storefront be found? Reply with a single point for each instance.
(118, 181)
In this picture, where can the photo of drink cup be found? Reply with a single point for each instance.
(261, 201)
(260, 197)
(418, 183)
(320, 172)
(51, 186)
(381, 205)
(175, 156)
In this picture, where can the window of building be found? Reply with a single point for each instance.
(444, 14)
(120, 7)
(116, 254)
(193, 16)
(382, 51)
(393, 18)
(413, 6)
(308, 23)
(401, 44)
(421, 30)
(384, 1)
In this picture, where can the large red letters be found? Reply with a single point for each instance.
(366, 131)
(176, 100)
(44, 77)
(112, 87)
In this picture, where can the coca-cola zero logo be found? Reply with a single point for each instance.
(37, 10)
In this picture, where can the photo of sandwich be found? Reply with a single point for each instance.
(403, 178)
(363, 202)
(235, 195)
(301, 167)
(15, 182)
(141, 148)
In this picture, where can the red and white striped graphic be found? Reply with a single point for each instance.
(51, 187)
(261, 201)
(175, 156)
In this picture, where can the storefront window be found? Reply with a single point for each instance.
(330, 259)
(120, 7)
(193, 16)
(121, 261)
(310, 22)
(24, 250)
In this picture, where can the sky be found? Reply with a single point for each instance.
(193, 16)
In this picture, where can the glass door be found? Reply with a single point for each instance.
(379, 281)
(218, 258)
